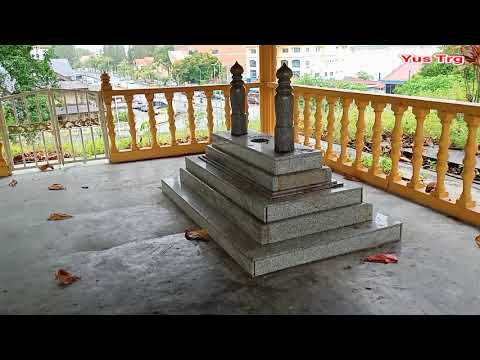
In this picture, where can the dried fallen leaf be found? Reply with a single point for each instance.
(84, 187)
(45, 167)
(65, 278)
(13, 183)
(56, 187)
(430, 187)
(382, 258)
(477, 240)
(350, 177)
(59, 216)
(197, 234)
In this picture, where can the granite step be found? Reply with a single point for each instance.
(282, 229)
(263, 155)
(259, 259)
(269, 181)
(265, 209)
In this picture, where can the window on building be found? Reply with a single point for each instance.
(296, 73)
(253, 63)
(331, 73)
(284, 50)
(307, 49)
(317, 49)
(296, 63)
(283, 62)
(253, 74)
(296, 50)
(214, 51)
(317, 75)
(253, 51)
(307, 63)
(326, 73)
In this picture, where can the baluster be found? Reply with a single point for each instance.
(306, 120)
(360, 134)
(344, 130)
(330, 127)
(417, 159)
(318, 123)
(296, 115)
(442, 156)
(209, 94)
(107, 99)
(4, 170)
(151, 119)
(171, 118)
(469, 162)
(395, 153)
(376, 139)
(131, 121)
(228, 119)
(191, 117)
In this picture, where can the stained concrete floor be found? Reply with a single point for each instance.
(116, 243)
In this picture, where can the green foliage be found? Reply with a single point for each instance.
(100, 62)
(70, 52)
(114, 52)
(445, 86)
(311, 80)
(196, 68)
(364, 75)
(28, 73)
(161, 57)
(140, 51)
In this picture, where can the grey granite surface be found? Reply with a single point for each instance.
(269, 181)
(263, 156)
(266, 209)
(257, 259)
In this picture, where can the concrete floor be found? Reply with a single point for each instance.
(115, 244)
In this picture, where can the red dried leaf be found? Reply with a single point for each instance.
(430, 187)
(45, 167)
(65, 278)
(382, 258)
(56, 187)
(197, 234)
(13, 183)
(59, 216)
(477, 240)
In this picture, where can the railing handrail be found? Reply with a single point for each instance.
(188, 88)
(46, 91)
(414, 101)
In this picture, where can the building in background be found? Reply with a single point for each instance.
(38, 51)
(146, 61)
(400, 75)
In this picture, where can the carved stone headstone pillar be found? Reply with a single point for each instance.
(284, 111)
(237, 100)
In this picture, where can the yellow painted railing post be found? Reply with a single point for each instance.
(107, 99)
(469, 162)
(296, 116)
(191, 117)
(306, 120)
(171, 117)
(268, 65)
(396, 143)
(442, 156)
(417, 158)
(376, 139)
(131, 122)
(209, 94)
(151, 119)
(318, 123)
(360, 135)
(330, 127)
(4, 168)
(228, 110)
(344, 130)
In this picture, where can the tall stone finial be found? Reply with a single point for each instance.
(284, 112)
(237, 101)
(105, 81)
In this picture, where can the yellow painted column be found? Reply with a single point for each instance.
(296, 116)
(171, 118)
(318, 123)
(360, 135)
(209, 94)
(131, 122)
(151, 120)
(268, 65)
(417, 158)
(330, 127)
(107, 99)
(344, 130)
(442, 156)
(396, 143)
(376, 139)
(4, 168)
(306, 119)
(191, 117)
(469, 162)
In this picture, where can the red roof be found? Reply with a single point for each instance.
(404, 72)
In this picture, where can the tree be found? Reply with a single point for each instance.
(65, 52)
(125, 68)
(100, 62)
(114, 52)
(448, 86)
(338, 84)
(197, 67)
(162, 58)
(140, 51)
(27, 73)
(364, 75)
